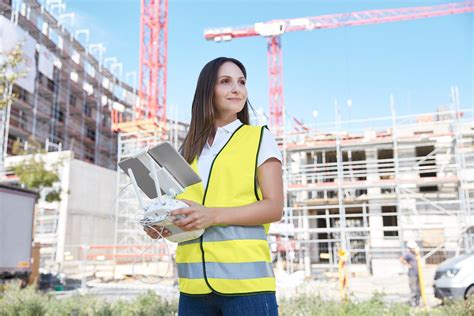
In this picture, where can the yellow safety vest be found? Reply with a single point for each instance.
(231, 260)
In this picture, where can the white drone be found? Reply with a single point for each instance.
(161, 173)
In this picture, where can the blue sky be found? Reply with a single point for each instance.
(418, 61)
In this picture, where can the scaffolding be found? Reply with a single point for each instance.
(73, 97)
(129, 236)
(392, 179)
(373, 184)
(69, 107)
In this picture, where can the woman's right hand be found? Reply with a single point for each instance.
(154, 231)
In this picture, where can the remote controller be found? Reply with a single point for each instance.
(162, 187)
(160, 214)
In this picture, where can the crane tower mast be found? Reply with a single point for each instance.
(153, 60)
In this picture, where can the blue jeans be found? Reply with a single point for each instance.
(213, 304)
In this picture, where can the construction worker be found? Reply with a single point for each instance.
(409, 260)
(228, 270)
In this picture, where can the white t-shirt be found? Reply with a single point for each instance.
(268, 149)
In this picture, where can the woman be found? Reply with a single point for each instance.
(228, 270)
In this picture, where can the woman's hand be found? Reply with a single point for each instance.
(155, 231)
(197, 216)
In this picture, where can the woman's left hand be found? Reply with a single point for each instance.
(197, 216)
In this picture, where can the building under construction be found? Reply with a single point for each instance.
(68, 97)
(371, 185)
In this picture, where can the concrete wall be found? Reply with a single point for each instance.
(92, 191)
(84, 212)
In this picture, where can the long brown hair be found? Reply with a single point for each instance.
(203, 112)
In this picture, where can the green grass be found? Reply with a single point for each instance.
(28, 301)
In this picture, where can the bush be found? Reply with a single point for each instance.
(458, 308)
(315, 305)
(29, 302)
(146, 304)
(15, 301)
(79, 305)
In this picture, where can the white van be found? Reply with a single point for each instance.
(454, 278)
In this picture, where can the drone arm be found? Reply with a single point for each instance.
(135, 188)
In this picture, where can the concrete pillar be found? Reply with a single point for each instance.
(306, 250)
(376, 226)
(372, 170)
(406, 166)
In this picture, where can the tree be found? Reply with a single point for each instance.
(10, 71)
(31, 171)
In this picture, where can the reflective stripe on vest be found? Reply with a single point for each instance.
(228, 259)
(236, 271)
(221, 233)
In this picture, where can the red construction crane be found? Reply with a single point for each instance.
(272, 30)
(153, 60)
(150, 113)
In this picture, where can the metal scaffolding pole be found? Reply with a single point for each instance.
(4, 126)
(340, 179)
(397, 169)
(459, 149)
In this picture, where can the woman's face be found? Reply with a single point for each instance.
(230, 92)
